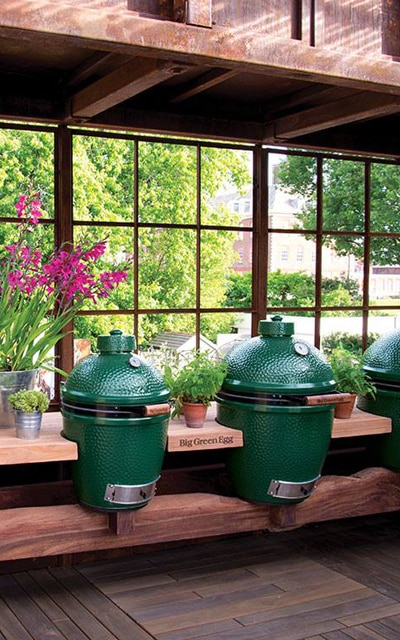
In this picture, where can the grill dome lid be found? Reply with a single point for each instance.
(381, 361)
(115, 376)
(276, 362)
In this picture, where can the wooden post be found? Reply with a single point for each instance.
(122, 522)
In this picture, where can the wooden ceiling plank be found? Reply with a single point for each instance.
(204, 82)
(354, 108)
(113, 28)
(123, 83)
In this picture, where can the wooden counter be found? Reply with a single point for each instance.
(52, 447)
(49, 447)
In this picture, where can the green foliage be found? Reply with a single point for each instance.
(348, 373)
(198, 380)
(343, 203)
(350, 341)
(29, 401)
(103, 192)
(292, 290)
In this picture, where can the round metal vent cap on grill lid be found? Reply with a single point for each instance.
(116, 408)
(279, 391)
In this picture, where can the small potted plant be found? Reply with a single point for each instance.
(193, 386)
(350, 379)
(29, 406)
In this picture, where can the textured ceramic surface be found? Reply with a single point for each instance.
(288, 444)
(114, 450)
(382, 364)
(119, 452)
(382, 358)
(115, 377)
(277, 362)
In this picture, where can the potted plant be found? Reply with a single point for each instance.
(194, 384)
(40, 295)
(29, 406)
(350, 379)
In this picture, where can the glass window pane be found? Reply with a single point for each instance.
(226, 187)
(118, 256)
(88, 327)
(385, 204)
(291, 277)
(343, 195)
(167, 183)
(342, 273)
(220, 262)
(217, 328)
(384, 279)
(167, 268)
(175, 331)
(341, 329)
(292, 192)
(103, 175)
(27, 167)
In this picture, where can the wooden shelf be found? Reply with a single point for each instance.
(52, 447)
(49, 447)
(361, 424)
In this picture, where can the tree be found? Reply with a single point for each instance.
(104, 174)
(343, 203)
(292, 290)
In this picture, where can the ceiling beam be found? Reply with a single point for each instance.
(125, 82)
(360, 106)
(112, 28)
(204, 82)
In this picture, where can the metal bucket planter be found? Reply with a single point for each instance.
(28, 424)
(10, 382)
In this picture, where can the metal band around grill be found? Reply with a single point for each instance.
(292, 490)
(130, 493)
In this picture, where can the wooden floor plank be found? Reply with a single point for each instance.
(119, 624)
(86, 621)
(10, 626)
(31, 617)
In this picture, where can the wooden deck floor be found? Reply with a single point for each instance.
(331, 581)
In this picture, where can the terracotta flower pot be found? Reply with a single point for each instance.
(345, 409)
(194, 414)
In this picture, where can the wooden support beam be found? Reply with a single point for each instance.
(125, 32)
(354, 108)
(123, 83)
(204, 82)
(54, 530)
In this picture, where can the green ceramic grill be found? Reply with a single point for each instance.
(279, 391)
(381, 362)
(115, 407)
